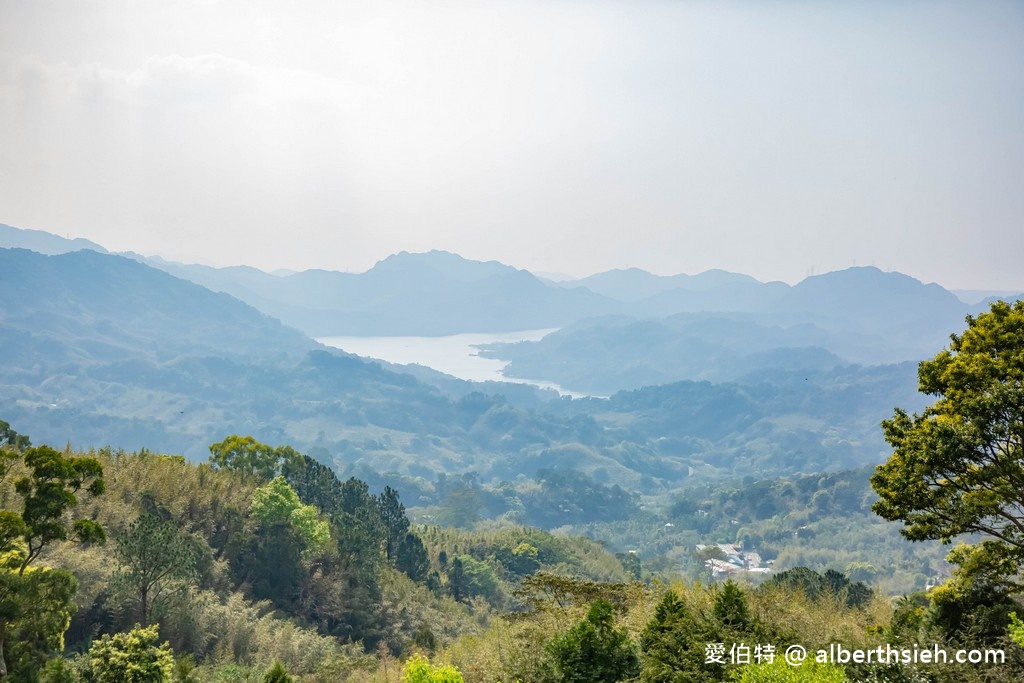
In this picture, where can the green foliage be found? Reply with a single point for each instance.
(10, 439)
(457, 580)
(779, 671)
(277, 674)
(155, 559)
(133, 657)
(229, 629)
(347, 593)
(35, 610)
(970, 613)
(545, 591)
(250, 457)
(419, 670)
(631, 563)
(395, 522)
(478, 579)
(276, 503)
(816, 586)
(731, 607)
(958, 467)
(59, 670)
(185, 669)
(269, 559)
(36, 604)
(412, 558)
(673, 645)
(567, 496)
(233, 673)
(1016, 629)
(50, 492)
(315, 532)
(594, 651)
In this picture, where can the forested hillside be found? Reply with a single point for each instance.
(262, 565)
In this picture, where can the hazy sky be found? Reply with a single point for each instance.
(771, 138)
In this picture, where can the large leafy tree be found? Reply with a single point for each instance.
(419, 670)
(133, 657)
(276, 503)
(958, 467)
(35, 611)
(10, 439)
(36, 603)
(250, 457)
(50, 490)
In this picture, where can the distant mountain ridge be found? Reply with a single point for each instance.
(861, 315)
(109, 307)
(435, 293)
(634, 284)
(43, 242)
(101, 349)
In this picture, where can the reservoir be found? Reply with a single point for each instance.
(455, 354)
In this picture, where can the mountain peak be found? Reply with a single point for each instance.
(44, 242)
(451, 265)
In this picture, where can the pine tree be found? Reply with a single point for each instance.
(594, 651)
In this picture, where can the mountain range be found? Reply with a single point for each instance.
(110, 349)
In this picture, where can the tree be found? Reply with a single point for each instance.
(12, 439)
(276, 503)
(155, 559)
(478, 578)
(730, 607)
(412, 558)
(315, 484)
(359, 525)
(12, 445)
(457, 580)
(277, 674)
(396, 524)
(958, 467)
(817, 586)
(631, 563)
(708, 553)
(35, 611)
(133, 657)
(594, 651)
(1016, 629)
(674, 642)
(49, 492)
(419, 670)
(250, 457)
(35, 605)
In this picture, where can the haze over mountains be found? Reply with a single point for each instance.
(709, 375)
(438, 293)
(622, 329)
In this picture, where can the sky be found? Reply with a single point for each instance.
(778, 139)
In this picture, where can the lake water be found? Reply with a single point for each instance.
(455, 354)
